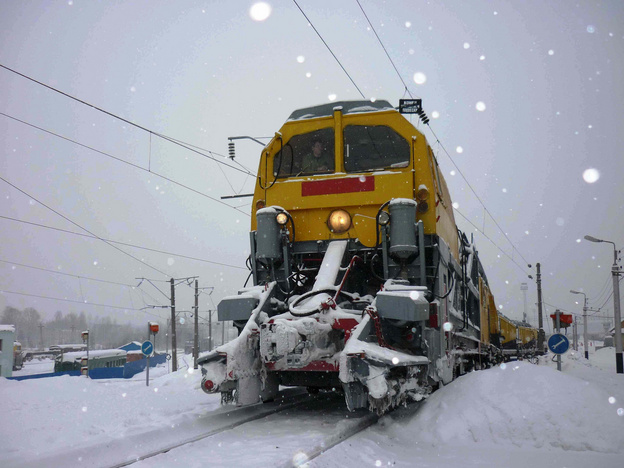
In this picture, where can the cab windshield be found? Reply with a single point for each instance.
(374, 147)
(306, 154)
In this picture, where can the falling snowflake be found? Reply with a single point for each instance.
(260, 11)
(480, 106)
(591, 175)
(419, 78)
(466, 45)
(459, 149)
(331, 97)
(300, 59)
(551, 52)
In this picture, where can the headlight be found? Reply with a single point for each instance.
(281, 218)
(384, 218)
(422, 207)
(339, 221)
(260, 204)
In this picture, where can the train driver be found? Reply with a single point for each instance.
(317, 160)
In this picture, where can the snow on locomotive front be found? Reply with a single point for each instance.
(361, 281)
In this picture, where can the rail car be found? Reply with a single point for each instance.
(72, 361)
(362, 282)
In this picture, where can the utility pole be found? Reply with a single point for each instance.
(41, 335)
(524, 287)
(585, 328)
(196, 347)
(558, 318)
(210, 330)
(575, 335)
(174, 344)
(540, 333)
(615, 273)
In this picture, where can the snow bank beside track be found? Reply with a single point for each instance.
(526, 406)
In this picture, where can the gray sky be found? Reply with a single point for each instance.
(549, 75)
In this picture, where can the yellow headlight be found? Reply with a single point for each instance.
(281, 218)
(339, 221)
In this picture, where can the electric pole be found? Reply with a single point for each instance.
(585, 328)
(196, 347)
(174, 365)
(575, 335)
(540, 333)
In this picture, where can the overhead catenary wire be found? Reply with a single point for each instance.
(123, 243)
(330, 50)
(136, 166)
(115, 116)
(407, 90)
(3, 291)
(67, 274)
(81, 227)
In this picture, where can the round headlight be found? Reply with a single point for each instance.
(422, 207)
(281, 218)
(384, 218)
(339, 221)
(260, 204)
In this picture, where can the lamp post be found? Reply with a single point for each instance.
(584, 321)
(615, 272)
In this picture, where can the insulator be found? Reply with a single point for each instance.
(231, 150)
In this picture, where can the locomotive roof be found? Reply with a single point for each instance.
(348, 107)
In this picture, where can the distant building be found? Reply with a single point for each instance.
(132, 346)
(7, 338)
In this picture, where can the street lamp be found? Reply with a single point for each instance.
(615, 272)
(584, 321)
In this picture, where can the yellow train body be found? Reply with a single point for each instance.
(360, 191)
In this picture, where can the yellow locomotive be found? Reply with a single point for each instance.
(362, 282)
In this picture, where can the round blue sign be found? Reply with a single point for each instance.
(558, 343)
(147, 347)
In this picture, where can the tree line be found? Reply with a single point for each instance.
(66, 328)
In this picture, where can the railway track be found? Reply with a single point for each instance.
(292, 436)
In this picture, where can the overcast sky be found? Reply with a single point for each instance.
(525, 96)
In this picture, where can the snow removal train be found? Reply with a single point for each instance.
(362, 282)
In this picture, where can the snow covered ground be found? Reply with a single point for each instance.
(515, 415)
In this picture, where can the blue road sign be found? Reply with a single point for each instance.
(147, 347)
(558, 343)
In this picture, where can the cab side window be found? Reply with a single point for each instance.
(305, 154)
(374, 147)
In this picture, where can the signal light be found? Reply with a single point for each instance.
(422, 194)
(422, 207)
(260, 204)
